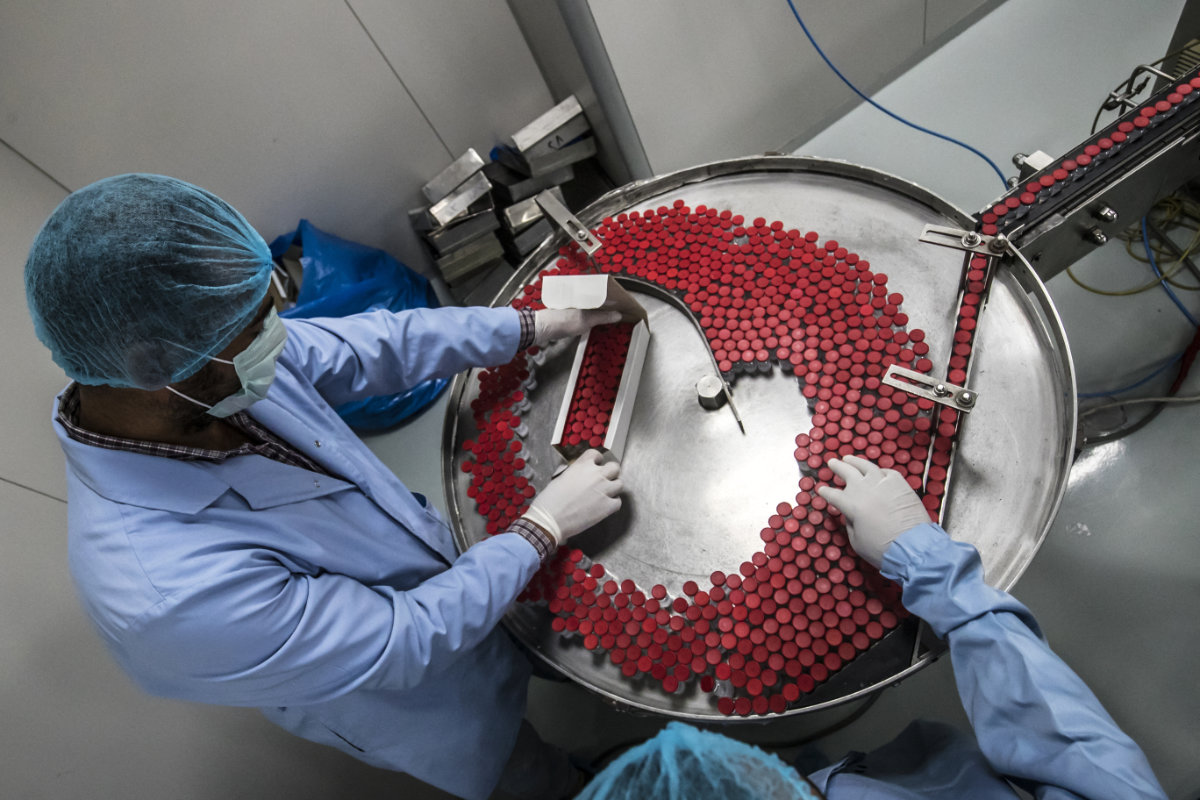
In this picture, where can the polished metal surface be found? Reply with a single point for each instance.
(930, 387)
(533, 133)
(960, 240)
(457, 202)
(567, 222)
(526, 212)
(452, 176)
(698, 490)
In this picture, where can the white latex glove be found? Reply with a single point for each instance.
(878, 503)
(550, 324)
(582, 495)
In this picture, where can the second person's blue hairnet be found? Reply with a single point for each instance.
(685, 763)
(137, 280)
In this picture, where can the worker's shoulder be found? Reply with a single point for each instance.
(132, 564)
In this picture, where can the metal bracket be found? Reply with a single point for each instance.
(1030, 163)
(969, 241)
(567, 221)
(947, 394)
(1122, 101)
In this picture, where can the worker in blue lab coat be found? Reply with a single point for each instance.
(244, 547)
(1036, 724)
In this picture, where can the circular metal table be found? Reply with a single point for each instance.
(698, 488)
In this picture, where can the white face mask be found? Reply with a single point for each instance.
(255, 368)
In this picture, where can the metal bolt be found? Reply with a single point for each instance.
(971, 239)
(1097, 236)
(965, 399)
(940, 390)
(999, 243)
(1106, 214)
(710, 391)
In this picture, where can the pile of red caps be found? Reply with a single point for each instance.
(499, 485)
(803, 606)
(596, 387)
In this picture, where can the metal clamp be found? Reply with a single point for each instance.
(1122, 101)
(969, 241)
(567, 221)
(942, 392)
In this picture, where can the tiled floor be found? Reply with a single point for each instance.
(1116, 584)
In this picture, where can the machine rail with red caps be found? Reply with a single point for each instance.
(1063, 211)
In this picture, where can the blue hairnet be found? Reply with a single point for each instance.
(685, 763)
(136, 280)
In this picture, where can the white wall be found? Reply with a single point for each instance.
(335, 111)
(703, 80)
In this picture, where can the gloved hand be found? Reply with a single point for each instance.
(582, 495)
(550, 324)
(878, 503)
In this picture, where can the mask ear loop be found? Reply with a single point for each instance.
(193, 351)
(173, 390)
(205, 406)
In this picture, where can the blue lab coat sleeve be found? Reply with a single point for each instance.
(385, 352)
(263, 635)
(1036, 721)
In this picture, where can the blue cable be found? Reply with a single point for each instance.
(1132, 386)
(896, 117)
(1162, 280)
(1175, 298)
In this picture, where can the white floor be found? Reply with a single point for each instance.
(1116, 585)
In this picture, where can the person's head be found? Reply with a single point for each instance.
(138, 281)
(685, 763)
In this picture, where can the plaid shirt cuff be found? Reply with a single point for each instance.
(542, 542)
(528, 328)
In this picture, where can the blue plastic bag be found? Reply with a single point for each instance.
(343, 278)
